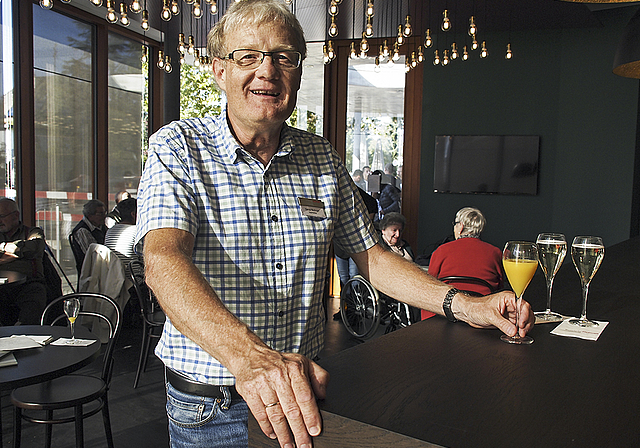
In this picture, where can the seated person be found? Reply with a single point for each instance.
(120, 237)
(112, 217)
(90, 229)
(21, 250)
(391, 227)
(468, 256)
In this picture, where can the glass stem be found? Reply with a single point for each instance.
(518, 301)
(585, 293)
(73, 324)
(549, 288)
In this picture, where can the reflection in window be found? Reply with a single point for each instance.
(127, 115)
(63, 127)
(7, 152)
(375, 116)
(308, 112)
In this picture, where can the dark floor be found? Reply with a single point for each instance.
(138, 417)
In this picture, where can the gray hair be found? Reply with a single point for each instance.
(393, 218)
(251, 13)
(472, 220)
(91, 207)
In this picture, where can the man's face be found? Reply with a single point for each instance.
(9, 219)
(261, 98)
(97, 219)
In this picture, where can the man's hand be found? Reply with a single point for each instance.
(496, 310)
(281, 390)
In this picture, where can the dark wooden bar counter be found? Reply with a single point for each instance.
(451, 385)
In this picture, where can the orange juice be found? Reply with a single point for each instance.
(520, 273)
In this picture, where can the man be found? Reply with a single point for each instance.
(238, 213)
(90, 229)
(112, 217)
(21, 250)
(358, 180)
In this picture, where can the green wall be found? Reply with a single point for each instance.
(560, 86)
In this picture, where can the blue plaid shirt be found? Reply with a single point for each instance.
(266, 260)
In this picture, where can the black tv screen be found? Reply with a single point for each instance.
(489, 164)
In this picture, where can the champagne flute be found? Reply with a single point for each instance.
(552, 248)
(587, 253)
(520, 261)
(71, 309)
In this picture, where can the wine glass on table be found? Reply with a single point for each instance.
(71, 309)
(587, 253)
(520, 261)
(552, 248)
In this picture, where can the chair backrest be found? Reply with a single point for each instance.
(468, 280)
(78, 255)
(144, 294)
(103, 308)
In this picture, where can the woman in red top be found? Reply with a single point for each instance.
(468, 255)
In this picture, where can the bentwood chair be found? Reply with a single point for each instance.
(461, 280)
(71, 392)
(152, 315)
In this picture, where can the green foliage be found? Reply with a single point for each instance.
(199, 94)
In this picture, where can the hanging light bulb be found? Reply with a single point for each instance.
(352, 52)
(333, 9)
(214, 7)
(165, 14)
(369, 28)
(46, 4)
(427, 39)
(400, 38)
(407, 66)
(414, 61)
(454, 51)
(370, 10)
(465, 53)
(472, 26)
(474, 44)
(97, 3)
(182, 46)
(181, 59)
(436, 58)
(135, 7)
(167, 64)
(333, 28)
(145, 56)
(191, 49)
(160, 63)
(381, 56)
(112, 17)
(197, 9)
(376, 61)
(446, 23)
(396, 52)
(509, 54)
(483, 51)
(325, 55)
(407, 30)
(445, 57)
(145, 20)
(385, 49)
(124, 19)
(174, 8)
(337, 1)
(364, 46)
(330, 51)
(420, 54)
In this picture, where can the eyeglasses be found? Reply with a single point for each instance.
(8, 214)
(454, 223)
(249, 59)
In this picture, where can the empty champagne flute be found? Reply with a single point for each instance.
(520, 261)
(552, 248)
(587, 253)
(71, 309)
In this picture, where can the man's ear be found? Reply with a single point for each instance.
(219, 72)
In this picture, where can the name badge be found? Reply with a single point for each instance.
(312, 208)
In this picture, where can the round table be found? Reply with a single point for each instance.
(36, 365)
(13, 277)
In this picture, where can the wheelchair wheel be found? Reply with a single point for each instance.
(360, 307)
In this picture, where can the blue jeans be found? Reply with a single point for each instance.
(347, 269)
(206, 422)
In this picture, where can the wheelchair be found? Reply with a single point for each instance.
(363, 309)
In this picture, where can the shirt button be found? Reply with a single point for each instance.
(274, 218)
(279, 266)
(280, 313)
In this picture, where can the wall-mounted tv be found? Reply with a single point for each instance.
(488, 164)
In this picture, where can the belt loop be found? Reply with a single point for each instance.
(227, 398)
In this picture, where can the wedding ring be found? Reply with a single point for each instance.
(271, 404)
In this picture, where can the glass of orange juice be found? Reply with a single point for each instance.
(520, 261)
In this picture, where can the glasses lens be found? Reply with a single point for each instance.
(289, 59)
(246, 58)
(253, 58)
